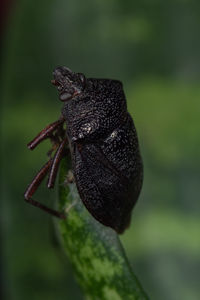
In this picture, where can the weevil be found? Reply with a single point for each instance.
(101, 138)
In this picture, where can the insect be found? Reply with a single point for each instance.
(102, 141)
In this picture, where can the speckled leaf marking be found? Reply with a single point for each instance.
(99, 261)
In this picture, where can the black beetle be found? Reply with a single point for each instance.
(103, 143)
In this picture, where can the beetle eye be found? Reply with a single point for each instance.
(82, 78)
(65, 96)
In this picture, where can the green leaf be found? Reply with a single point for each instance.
(96, 254)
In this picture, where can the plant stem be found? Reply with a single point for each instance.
(97, 256)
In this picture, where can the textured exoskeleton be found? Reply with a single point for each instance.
(106, 160)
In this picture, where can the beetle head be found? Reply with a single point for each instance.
(69, 84)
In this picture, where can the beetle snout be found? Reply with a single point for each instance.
(58, 75)
(61, 73)
(66, 82)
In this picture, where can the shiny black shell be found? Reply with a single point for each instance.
(105, 153)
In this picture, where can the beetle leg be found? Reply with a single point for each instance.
(67, 209)
(54, 167)
(45, 133)
(69, 178)
(33, 187)
(54, 147)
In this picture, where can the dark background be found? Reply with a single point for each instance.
(153, 47)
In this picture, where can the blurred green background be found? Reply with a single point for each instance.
(153, 47)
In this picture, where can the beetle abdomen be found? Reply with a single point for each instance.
(109, 175)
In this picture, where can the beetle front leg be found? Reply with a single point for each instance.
(33, 187)
(45, 133)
